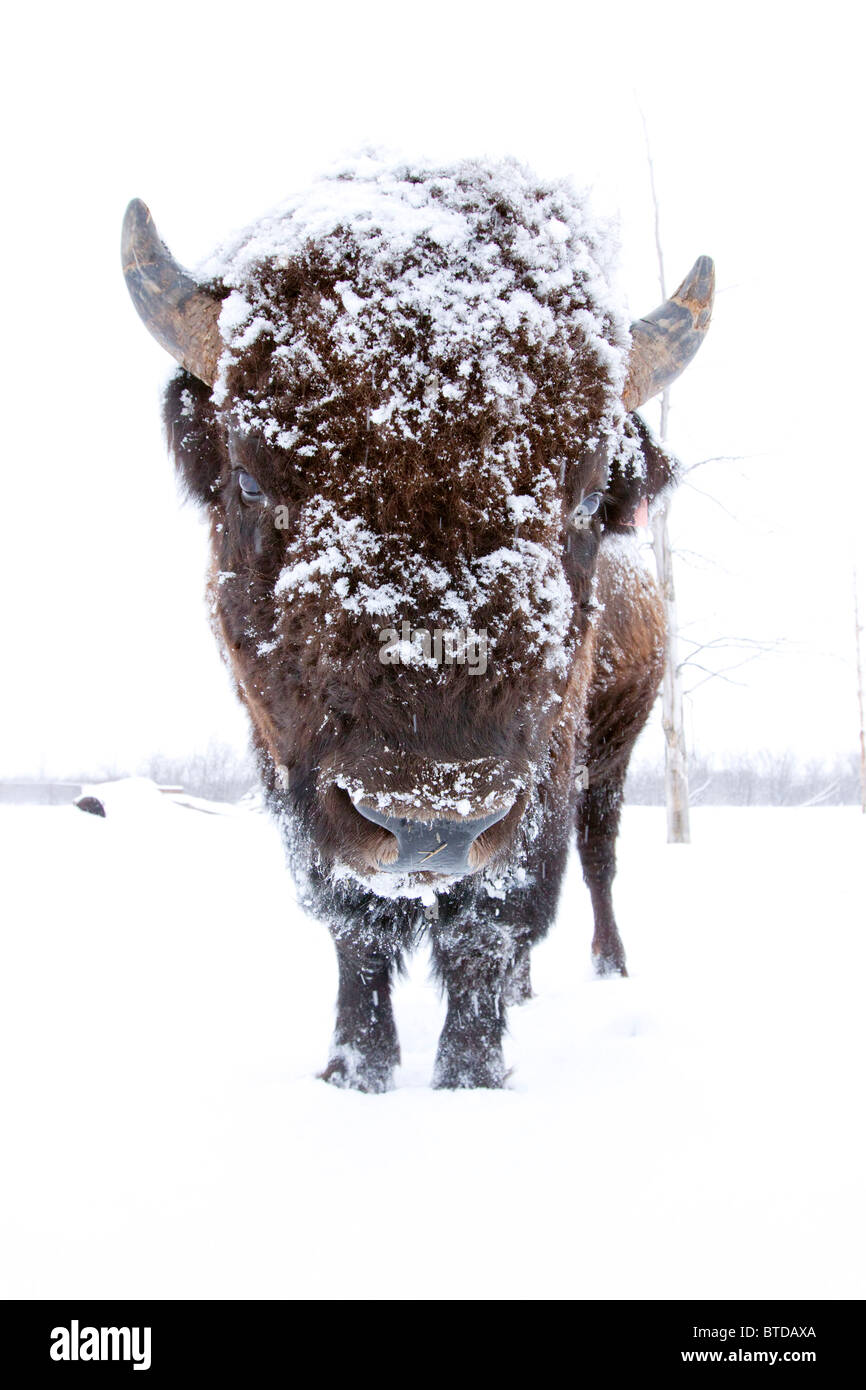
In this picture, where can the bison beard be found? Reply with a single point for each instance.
(406, 398)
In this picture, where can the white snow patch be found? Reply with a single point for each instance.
(166, 1025)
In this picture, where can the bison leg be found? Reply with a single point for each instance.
(630, 657)
(473, 968)
(481, 952)
(365, 1050)
(518, 988)
(469, 1055)
(598, 812)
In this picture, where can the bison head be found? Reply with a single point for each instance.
(404, 399)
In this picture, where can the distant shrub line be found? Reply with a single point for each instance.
(222, 773)
(759, 779)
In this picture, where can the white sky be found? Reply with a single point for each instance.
(213, 112)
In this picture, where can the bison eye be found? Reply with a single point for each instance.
(250, 490)
(586, 508)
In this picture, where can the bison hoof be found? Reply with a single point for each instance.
(469, 1074)
(349, 1070)
(609, 963)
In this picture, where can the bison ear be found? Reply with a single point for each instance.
(627, 487)
(193, 435)
(661, 469)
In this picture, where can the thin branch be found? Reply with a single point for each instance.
(714, 458)
(757, 645)
(716, 675)
(696, 558)
(820, 796)
(656, 217)
(696, 791)
(858, 631)
(710, 498)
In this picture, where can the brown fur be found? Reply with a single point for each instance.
(325, 710)
(612, 686)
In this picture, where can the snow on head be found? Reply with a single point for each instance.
(427, 350)
(478, 254)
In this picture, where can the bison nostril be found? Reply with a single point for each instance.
(386, 849)
(496, 837)
(434, 846)
(364, 844)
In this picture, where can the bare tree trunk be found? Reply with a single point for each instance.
(857, 632)
(676, 762)
(676, 758)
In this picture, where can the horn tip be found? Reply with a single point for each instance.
(700, 284)
(137, 215)
(136, 233)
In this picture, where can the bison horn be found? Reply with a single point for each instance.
(665, 341)
(180, 313)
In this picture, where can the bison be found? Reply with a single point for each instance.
(405, 401)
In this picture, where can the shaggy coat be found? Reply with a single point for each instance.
(415, 504)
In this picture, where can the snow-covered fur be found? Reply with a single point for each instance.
(422, 372)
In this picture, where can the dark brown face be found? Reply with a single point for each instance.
(402, 628)
(395, 676)
(411, 408)
(404, 398)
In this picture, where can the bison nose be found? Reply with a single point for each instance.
(433, 846)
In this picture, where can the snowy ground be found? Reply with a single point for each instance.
(694, 1131)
